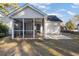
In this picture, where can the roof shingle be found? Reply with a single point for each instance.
(53, 18)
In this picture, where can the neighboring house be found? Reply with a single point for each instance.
(7, 21)
(78, 27)
(28, 22)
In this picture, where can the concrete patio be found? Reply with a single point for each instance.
(57, 37)
(63, 36)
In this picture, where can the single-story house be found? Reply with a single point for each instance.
(28, 22)
(7, 21)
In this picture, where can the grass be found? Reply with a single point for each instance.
(39, 47)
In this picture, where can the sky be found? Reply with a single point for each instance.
(65, 11)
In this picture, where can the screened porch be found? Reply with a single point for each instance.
(28, 28)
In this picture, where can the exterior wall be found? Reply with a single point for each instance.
(52, 27)
(28, 13)
(78, 28)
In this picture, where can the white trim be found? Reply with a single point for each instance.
(33, 27)
(25, 6)
(27, 38)
(23, 28)
(12, 29)
(33, 19)
(45, 19)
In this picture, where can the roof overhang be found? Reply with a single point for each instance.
(25, 6)
(54, 18)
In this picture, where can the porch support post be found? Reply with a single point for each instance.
(23, 28)
(12, 29)
(33, 27)
(44, 28)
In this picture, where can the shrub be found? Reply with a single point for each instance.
(3, 29)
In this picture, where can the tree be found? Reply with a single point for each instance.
(3, 28)
(70, 25)
(3, 7)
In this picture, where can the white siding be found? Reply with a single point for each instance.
(1, 15)
(28, 13)
(78, 28)
(52, 27)
(9, 23)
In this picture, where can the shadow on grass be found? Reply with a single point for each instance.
(57, 47)
(50, 47)
(71, 35)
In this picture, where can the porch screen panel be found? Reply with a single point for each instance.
(18, 28)
(39, 27)
(28, 28)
